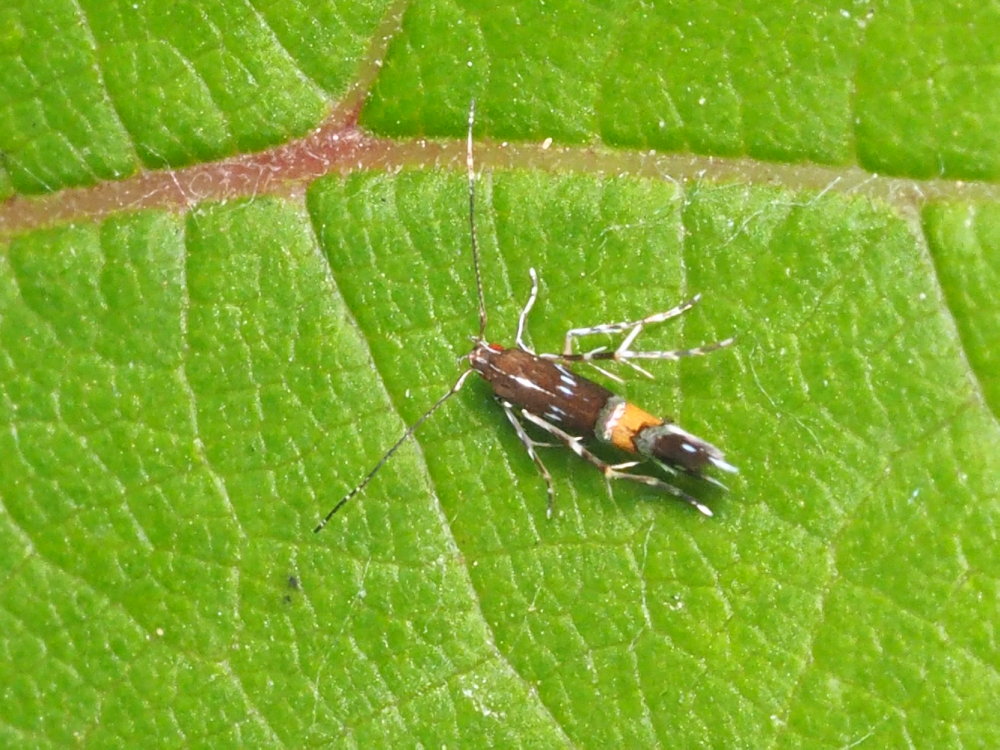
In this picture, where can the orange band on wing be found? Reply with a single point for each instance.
(625, 428)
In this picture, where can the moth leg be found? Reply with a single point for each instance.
(613, 471)
(522, 319)
(634, 326)
(623, 353)
(530, 444)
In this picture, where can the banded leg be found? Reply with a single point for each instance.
(522, 319)
(530, 444)
(624, 355)
(623, 352)
(613, 471)
(627, 325)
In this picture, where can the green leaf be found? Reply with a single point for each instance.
(184, 393)
(163, 83)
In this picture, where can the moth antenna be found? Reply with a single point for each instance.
(470, 165)
(388, 454)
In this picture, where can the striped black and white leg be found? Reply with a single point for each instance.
(522, 319)
(623, 353)
(530, 444)
(633, 326)
(612, 471)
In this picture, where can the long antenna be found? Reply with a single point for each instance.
(461, 378)
(472, 221)
(388, 454)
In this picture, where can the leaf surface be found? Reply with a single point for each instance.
(184, 391)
